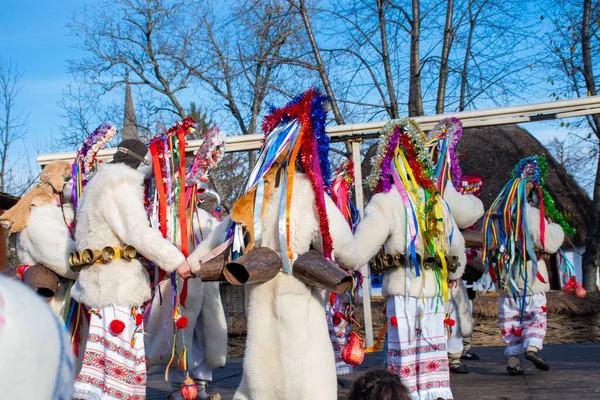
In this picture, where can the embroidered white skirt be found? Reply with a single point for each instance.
(531, 332)
(417, 346)
(339, 328)
(114, 365)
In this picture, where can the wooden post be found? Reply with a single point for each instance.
(366, 288)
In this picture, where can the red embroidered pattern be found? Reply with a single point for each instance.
(116, 349)
(416, 350)
(108, 390)
(419, 368)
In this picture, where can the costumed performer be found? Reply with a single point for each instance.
(519, 235)
(340, 307)
(286, 209)
(43, 221)
(423, 250)
(205, 330)
(466, 209)
(473, 272)
(111, 216)
(37, 361)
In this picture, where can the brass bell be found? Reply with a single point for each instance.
(388, 260)
(453, 264)
(129, 253)
(108, 254)
(89, 256)
(429, 262)
(399, 260)
(377, 265)
(75, 259)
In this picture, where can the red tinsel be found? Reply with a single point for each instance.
(301, 111)
(116, 326)
(21, 270)
(415, 166)
(181, 322)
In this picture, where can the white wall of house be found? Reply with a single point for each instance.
(574, 256)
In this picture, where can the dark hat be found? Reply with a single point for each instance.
(131, 152)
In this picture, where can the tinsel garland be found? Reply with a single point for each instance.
(406, 136)
(209, 154)
(85, 161)
(539, 166)
(380, 179)
(346, 170)
(168, 191)
(471, 184)
(309, 110)
(449, 129)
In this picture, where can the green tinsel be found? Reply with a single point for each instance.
(540, 177)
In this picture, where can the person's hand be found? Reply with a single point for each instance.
(184, 271)
(453, 283)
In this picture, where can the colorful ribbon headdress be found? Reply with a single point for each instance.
(507, 243)
(209, 155)
(403, 160)
(295, 133)
(167, 200)
(85, 162)
(442, 141)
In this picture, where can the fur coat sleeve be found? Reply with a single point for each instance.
(215, 238)
(344, 248)
(553, 235)
(128, 220)
(377, 225)
(456, 243)
(47, 240)
(466, 208)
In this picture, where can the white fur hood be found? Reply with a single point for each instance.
(111, 213)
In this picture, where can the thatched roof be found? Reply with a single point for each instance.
(7, 201)
(493, 151)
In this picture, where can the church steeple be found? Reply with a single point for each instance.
(130, 128)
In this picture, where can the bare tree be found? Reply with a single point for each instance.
(139, 37)
(12, 124)
(574, 51)
(446, 46)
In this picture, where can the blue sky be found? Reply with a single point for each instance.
(33, 35)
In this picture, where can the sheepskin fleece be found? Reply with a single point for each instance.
(45, 240)
(203, 306)
(460, 298)
(385, 224)
(554, 237)
(37, 361)
(111, 213)
(288, 351)
(466, 208)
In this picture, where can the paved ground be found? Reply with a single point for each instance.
(575, 374)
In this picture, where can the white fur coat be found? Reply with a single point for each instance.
(385, 224)
(46, 240)
(111, 213)
(203, 306)
(466, 208)
(553, 238)
(288, 351)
